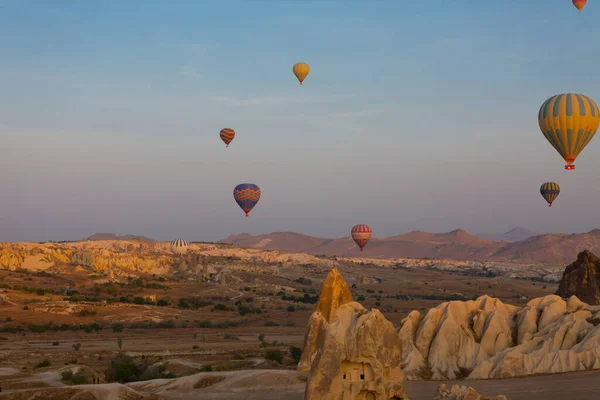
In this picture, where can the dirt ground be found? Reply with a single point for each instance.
(188, 346)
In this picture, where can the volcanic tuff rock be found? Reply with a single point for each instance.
(582, 279)
(462, 393)
(476, 339)
(359, 358)
(351, 353)
(334, 293)
(122, 257)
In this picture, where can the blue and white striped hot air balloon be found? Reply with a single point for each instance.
(179, 246)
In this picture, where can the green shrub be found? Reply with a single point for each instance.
(275, 355)
(45, 363)
(295, 353)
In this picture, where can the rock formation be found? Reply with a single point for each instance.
(351, 353)
(462, 393)
(121, 258)
(582, 279)
(486, 338)
(334, 293)
(476, 339)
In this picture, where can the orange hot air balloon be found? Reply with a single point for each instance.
(361, 234)
(579, 4)
(301, 70)
(227, 135)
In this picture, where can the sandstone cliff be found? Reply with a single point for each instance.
(582, 279)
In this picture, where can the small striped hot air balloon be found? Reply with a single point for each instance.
(579, 4)
(246, 195)
(550, 191)
(361, 234)
(227, 135)
(569, 121)
(179, 246)
(301, 70)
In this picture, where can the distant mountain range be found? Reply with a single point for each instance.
(113, 236)
(514, 245)
(514, 235)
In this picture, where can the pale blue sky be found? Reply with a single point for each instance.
(416, 115)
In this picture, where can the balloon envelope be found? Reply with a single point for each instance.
(579, 4)
(227, 135)
(301, 70)
(246, 195)
(179, 246)
(569, 121)
(361, 234)
(550, 191)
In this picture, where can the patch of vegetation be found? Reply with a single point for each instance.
(43, 364)
(304, 299)
(271, 323)
(125, 369)
(75, 379)
(275, 355)
(229, 336)
(86, 312)
(304, 281)
(295, 353)
(193, 303)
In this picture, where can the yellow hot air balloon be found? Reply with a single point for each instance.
(569, 121)
(301, 70)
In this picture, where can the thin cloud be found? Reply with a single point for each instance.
(365, 112)
(191, 72)
(273, 100)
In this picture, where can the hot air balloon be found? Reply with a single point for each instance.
(227, 135)
(579, 4)
(179, 246)
(361, 234)
(550, 191)
(246, 195)
(569, 121)
(301, 70)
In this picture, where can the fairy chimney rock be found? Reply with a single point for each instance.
(334, 293)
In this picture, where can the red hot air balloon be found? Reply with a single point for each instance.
(579, 4)
(361, 234)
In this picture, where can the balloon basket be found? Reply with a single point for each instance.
(569, 167)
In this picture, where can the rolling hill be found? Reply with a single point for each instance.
(456, 245)
(514, 235)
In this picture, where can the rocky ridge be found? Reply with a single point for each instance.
(122, 257)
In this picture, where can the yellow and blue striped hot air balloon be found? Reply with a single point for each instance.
(569, 121)
(550, 191)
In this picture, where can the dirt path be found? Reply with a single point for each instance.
(573, 385)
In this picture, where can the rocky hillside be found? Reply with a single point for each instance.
(477, 339)
(455, 245)
(582, 279)
(122, 258)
